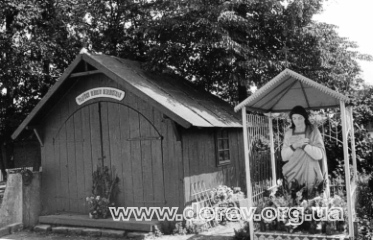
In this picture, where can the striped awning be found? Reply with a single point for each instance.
(289, 89)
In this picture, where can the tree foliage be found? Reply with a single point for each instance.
(35, 47)
(223, 45)
(362, 102)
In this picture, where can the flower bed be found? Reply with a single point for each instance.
(218, 199)
(226, 197)
(297, 210)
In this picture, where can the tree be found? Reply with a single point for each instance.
(222, 45)
(113, 27)
(35, 47)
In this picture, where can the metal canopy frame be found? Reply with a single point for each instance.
(347, 131)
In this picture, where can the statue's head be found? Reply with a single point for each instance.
(299, 116)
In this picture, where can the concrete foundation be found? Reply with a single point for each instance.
(31, 201)
(21, 203)
(11, 207)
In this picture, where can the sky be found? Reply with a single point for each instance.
(354, 19)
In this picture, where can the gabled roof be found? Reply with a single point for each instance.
(289, 89)
(176, 98)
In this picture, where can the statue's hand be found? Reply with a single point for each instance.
(301, 142)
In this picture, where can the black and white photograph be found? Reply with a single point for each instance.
(186, 119)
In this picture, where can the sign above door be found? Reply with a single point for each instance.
(100, 92)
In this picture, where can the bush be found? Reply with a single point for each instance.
(364, 196)
(243, 233)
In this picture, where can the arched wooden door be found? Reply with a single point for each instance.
(121, 137)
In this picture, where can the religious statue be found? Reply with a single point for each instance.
(303, 150)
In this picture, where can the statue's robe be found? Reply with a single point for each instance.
(300, 165)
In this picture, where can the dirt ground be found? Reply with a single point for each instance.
(219, 233)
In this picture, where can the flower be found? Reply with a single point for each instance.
(279, 182)
(337, 200)
(212, 194)
(282, 201)
(224, 196)
(236, 189)
(304, 204)
(104, 192)
(297, 196)
(99, 206)
(272, 194)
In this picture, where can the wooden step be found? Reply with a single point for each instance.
(79, 220)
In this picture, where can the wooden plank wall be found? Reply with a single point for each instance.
(26, 154)
(199, 155)
(68, 162)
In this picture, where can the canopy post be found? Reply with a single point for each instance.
(353, 149)
(354, 164)
(273, 162)
(247, 169)
(347, 168)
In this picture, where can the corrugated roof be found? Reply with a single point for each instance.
(178, 99)
(289, 89)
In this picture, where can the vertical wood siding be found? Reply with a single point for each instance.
(199, 153)
(150, 170)
(26, 154)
